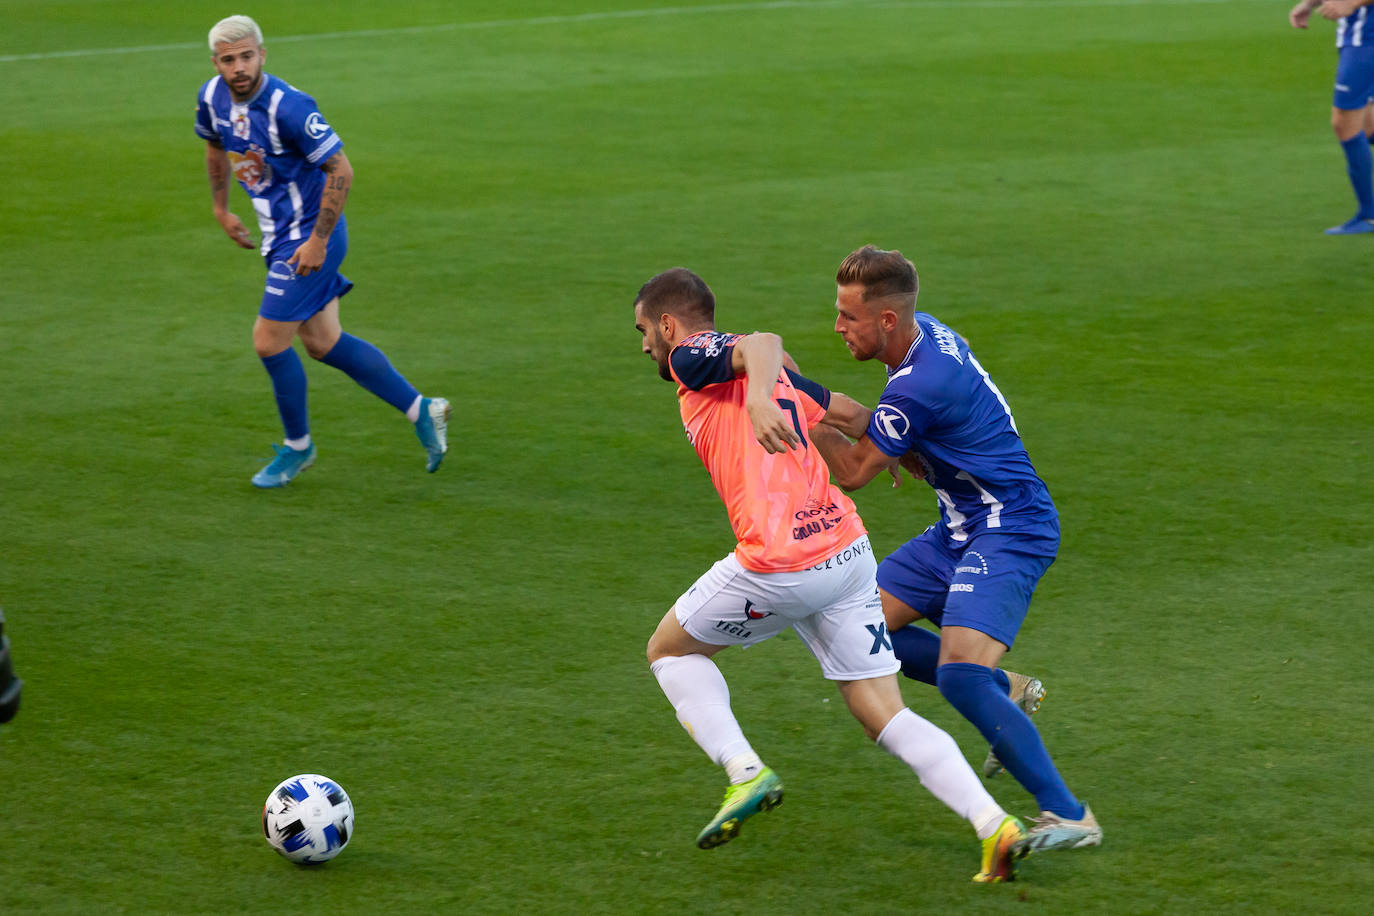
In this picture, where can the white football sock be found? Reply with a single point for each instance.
(941, 767)
(413, 411)
(697, 690)
(299, 445)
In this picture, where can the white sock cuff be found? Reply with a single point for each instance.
(893, 726)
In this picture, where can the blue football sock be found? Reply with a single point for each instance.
(918, 649)
(1359, 164)
(288, 384)
(972, 690)
(369, 367)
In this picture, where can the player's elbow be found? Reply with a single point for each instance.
(847, 480)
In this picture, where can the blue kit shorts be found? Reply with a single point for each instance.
(984, 583)
(1354, 78)
(289, 297)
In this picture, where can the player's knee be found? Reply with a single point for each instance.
(960, 682)
(316, 349)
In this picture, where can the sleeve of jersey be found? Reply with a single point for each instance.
(308, 131)
(896, 423)
(815, 396)
(697, 367)
(205, 125)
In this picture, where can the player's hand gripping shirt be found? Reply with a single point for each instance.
(276, 142)
(784, 511)
(940, 404)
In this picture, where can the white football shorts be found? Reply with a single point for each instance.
(833, 606)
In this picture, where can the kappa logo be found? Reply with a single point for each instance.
(316, 126)
(891, 421)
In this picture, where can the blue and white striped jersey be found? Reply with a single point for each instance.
(1351, 30)
(276, 142)
(940, 404)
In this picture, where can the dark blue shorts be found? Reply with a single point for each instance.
(1354, 78)
(289, 297)
(984, 583)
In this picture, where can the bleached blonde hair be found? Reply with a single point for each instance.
(232, 29)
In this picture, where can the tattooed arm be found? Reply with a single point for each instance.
(217, 165)
(338, 178)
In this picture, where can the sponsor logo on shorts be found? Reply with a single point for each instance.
(1342, 87)
(960, 587)
(730, 628)
(880, 640)
(280, 270)
(979, 569)
(852, 552)
(754, 613)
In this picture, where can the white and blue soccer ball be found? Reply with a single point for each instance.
(308, 819)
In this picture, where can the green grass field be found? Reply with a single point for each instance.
(1118, 203)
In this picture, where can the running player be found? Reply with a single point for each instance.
(274, 140)
(973, 574)
(1352, 116)
(803, 561)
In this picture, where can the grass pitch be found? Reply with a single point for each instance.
(1119, 204)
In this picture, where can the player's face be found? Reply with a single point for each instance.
(652, 342)
(858, 322)
(240, 64)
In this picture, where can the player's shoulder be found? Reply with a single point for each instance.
(703, 359)
(212, 90)
(708, 343)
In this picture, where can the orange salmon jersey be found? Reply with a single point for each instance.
(783, 508)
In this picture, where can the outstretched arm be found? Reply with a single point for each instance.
(338, 179)
(217, 165)
(760, 358)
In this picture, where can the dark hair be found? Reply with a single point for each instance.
(881, 273)
(680, 293)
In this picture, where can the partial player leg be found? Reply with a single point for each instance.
(940, 765)
(1354, 85)
(701, 699)
(969, 687)
(918, 649)
(272, 341)
(325, 340)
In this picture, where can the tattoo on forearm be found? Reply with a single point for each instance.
(324, 224)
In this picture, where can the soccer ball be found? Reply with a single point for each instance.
(308, 819)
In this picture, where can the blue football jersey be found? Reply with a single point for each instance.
(940, 404)
(276, 142)
(1351, 30)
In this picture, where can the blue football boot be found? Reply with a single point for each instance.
(283, 469)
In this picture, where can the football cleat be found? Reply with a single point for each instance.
(1355, 226)
(1000, 852)
(1026, 692)
(762, 793)
(432, 430)
(1050, 831)
(284, 468)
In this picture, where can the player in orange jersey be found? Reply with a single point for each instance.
(803, 561)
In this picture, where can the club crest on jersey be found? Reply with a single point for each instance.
(240, 122)
(251, 168)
